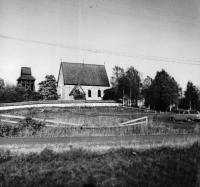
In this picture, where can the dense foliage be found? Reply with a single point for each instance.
(109, 94)
(165, 166)
(48, 88)
(2, 84)
(26, 127)
(78, 95)
(125, 85)
(47, 91)
(191, 99)
(163, 93)
(11, 93)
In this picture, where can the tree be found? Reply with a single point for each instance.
(48, 88)
(162, 93)
(192, 97)
(11, 93)
(2, 84)
(135, 81)
(168, 90)
(109, 94)
(171, 92)
(123, 88)
(124, 84)
(117, 73)
(150, 92)
(151, 95)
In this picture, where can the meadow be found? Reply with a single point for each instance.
(176, 166)
(101, 164)
(104, 122)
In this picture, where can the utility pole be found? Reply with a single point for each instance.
(123, 96)
(130, 92)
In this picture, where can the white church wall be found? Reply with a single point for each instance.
(94, 92)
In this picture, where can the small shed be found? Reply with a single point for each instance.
(26, 79)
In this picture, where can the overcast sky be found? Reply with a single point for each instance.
(149, 35)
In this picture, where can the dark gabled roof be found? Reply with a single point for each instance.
(25, 71)
(26, 77)
(84, 74)
(26, 74)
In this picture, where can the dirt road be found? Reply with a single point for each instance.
(101, 139)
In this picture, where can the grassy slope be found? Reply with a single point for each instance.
(163, 166)
(158, 123)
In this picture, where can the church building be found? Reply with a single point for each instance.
(88, 80)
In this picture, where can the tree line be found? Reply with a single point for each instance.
(159, 93)
(16, 93)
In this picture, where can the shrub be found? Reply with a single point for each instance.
(8, 130)
(79, 95)
(30, 126)
(26, 127)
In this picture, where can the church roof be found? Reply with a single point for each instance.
(25, 71)
(26, 74)
(84, 74)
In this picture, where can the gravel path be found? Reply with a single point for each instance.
(101, 139)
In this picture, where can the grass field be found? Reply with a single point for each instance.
(171, 163)
(100, 116)
(96, 117)
(176, 166)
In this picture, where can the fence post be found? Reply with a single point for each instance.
(147, 124)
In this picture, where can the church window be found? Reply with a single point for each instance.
(99, 93)
(89, 93)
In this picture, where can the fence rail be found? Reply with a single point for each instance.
(37, 119)
(128, 123)
(133, 122)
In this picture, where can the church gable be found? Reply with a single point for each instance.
(76, 89)
(77, 92)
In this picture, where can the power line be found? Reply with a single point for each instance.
(152, 58)
(115, 11)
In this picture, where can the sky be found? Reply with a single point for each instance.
(149, 35)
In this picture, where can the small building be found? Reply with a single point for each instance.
(89, 80)
(26, 79)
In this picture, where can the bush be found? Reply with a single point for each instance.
(30, 127)
(8, 130)
(12, 93)
(79, 95)
(26, 127)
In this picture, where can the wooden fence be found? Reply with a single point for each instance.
(138, 121)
